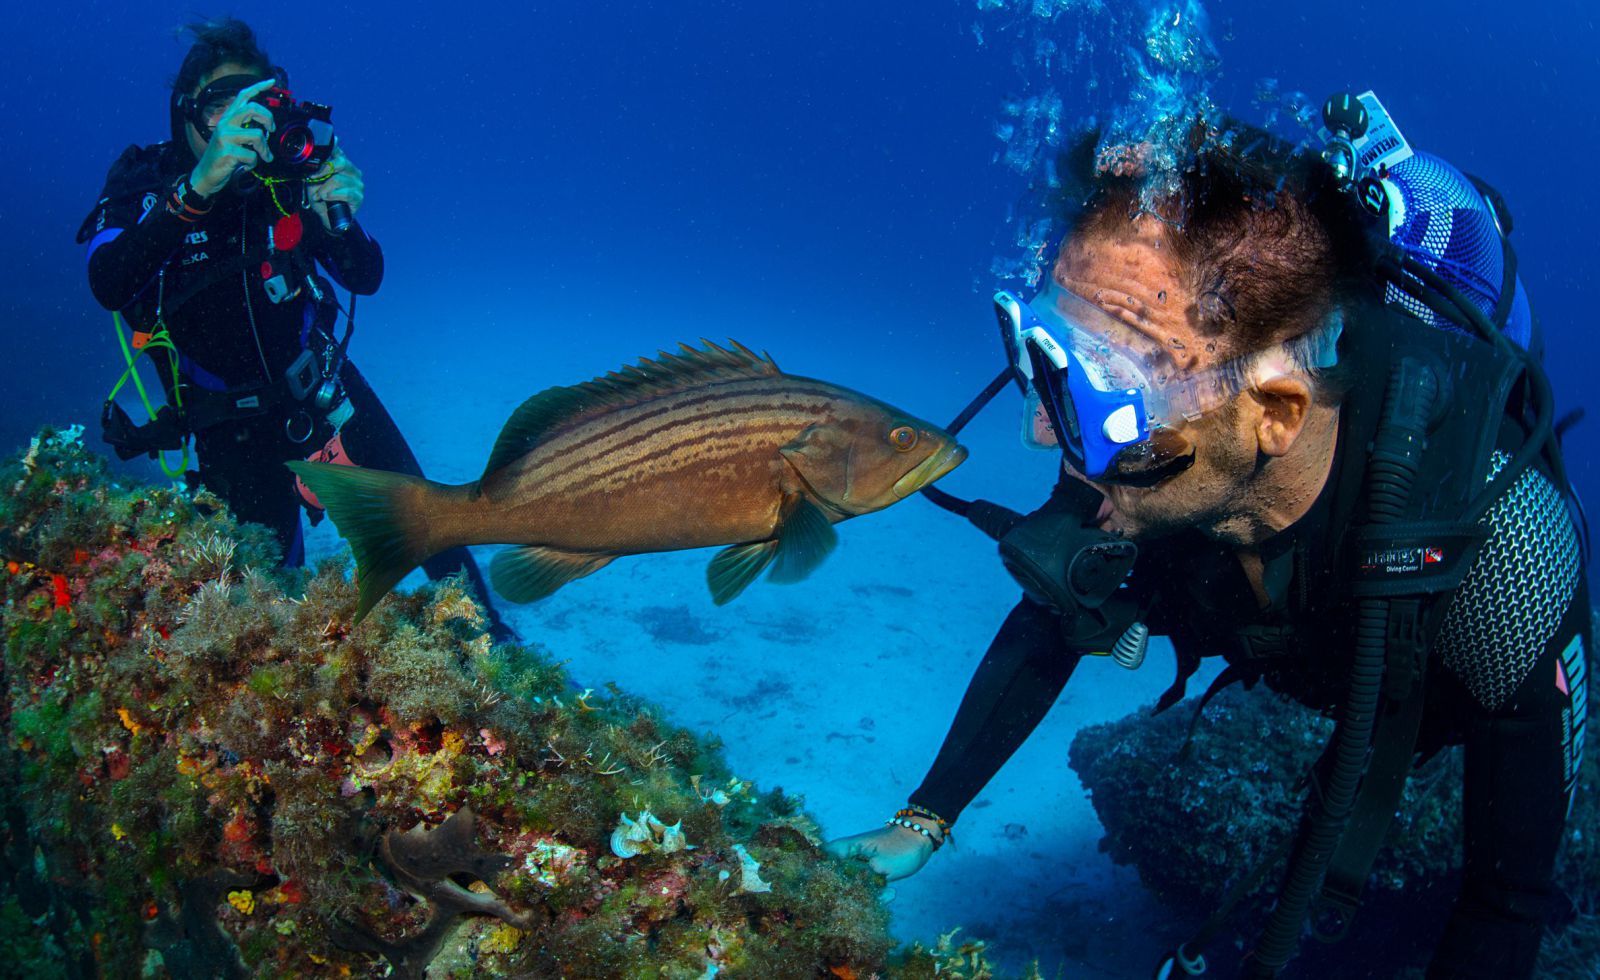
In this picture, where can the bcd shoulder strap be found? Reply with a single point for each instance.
(1416, 564)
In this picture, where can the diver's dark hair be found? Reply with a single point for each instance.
(1268, 242)
(217, 42)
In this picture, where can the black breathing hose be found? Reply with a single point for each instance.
(990, 518)
(1413, 391)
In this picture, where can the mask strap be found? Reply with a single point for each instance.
(1314, 350)
(193, 108)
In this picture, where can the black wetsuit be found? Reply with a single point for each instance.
(1512, 649)
(206, 279)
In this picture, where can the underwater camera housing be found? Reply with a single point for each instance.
(302, 138)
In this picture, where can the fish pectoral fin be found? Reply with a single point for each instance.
(534, 571)
(805, 538)
(735, 567)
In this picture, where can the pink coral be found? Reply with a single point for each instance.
(491, 744)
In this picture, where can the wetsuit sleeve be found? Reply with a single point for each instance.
(128, 243)
(1020, 677)
(1521, 767)
(1017, 681)
(353, 259)
(1515, 638)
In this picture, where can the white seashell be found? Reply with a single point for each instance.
(633, 837)
(716, 796)
(672, 838)
(621, 844)
(644, 829)
(749, 874)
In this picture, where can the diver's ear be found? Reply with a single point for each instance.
(1285, 405)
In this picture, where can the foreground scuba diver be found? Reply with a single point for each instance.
(1330, 450)
(212, 246)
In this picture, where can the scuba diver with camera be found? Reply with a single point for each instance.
(1305, 427)
(221, 249)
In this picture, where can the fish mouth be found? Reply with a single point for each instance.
(930, 469)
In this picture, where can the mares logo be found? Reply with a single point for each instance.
(1400, 561)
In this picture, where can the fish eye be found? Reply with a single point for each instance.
(903, 438)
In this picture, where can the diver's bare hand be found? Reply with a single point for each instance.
(338, 180)
(893, 851)
(238, 142)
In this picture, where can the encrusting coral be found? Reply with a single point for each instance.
(207, 772)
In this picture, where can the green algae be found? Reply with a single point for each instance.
(210, 771)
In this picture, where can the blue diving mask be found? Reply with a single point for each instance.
(1115, 398)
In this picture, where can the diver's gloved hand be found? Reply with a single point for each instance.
(238, 141)
(339, 181)
(892, 851)
(161, 433)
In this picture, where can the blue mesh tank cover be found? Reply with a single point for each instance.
(1438, 216)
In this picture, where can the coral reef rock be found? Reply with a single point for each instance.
(206, 772)
(1196, 825)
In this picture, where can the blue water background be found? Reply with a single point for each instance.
(561, 188)
(572, 185)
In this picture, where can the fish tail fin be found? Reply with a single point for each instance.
(383, 517)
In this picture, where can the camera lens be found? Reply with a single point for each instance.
(294, 145)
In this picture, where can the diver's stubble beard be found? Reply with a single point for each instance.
(1208, 496)
(1148, 513)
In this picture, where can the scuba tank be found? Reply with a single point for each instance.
(1450, 222)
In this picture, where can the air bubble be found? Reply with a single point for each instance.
(1140, 73)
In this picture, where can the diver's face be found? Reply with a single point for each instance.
(213, 112)
(1133, 275)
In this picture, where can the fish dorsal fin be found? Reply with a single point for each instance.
(690, 367)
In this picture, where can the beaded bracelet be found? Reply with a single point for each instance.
(913, 810)
(937, 842)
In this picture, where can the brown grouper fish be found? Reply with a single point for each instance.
(704, 447)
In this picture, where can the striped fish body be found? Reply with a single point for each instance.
(686, 469)
(698, 448)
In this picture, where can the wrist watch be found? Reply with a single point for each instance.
(190, 197)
